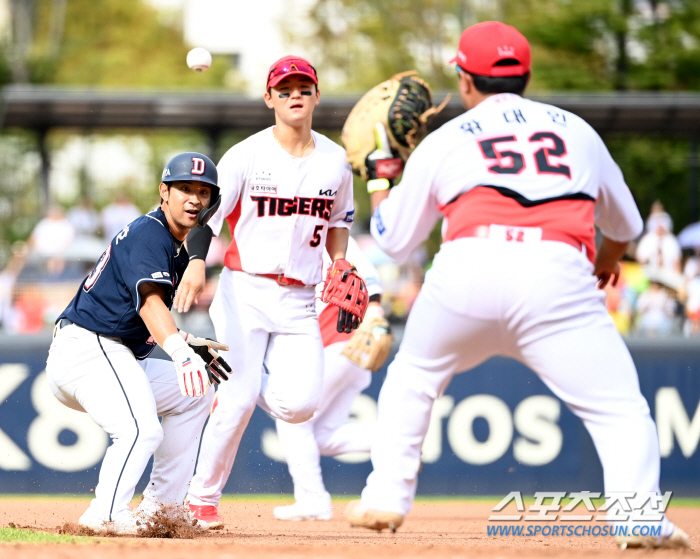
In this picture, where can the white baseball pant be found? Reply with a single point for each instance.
(536, 302)
(263, 323)
(100, 376)
(328, 432)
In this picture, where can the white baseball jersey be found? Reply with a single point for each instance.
(506, 175)
(279, 207)
(509, 161)
(328, 315)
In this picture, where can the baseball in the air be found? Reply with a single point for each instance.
(199, 59)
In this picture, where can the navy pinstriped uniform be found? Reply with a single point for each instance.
(108, 301)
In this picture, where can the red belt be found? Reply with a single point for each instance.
(482, 231)
(281, 279)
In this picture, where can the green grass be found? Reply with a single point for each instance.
(685, 502)
(23, 535)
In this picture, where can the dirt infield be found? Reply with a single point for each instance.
(440, 529)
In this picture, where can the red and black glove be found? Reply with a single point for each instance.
(345, 289)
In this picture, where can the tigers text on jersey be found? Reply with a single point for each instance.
(514, 162)
(328, 314)
(108, 301)
(279, 207)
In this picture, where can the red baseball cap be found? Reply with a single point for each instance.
(482, 45)
(290, 66)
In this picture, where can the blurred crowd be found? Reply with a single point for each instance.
(42, 274)
(658, 293)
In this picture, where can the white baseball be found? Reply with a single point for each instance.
(199, 59)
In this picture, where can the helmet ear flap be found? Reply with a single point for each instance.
(205, 215)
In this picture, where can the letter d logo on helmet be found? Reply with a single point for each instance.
(193, 166)
(198, 166)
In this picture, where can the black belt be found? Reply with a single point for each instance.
(63, 323)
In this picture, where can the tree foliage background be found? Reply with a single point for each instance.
(584, 46)
(596, 45)
(100, 43)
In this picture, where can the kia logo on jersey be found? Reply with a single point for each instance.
(197, 166)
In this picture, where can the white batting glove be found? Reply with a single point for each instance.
(189, 367)
(194, 340)
(217, 367)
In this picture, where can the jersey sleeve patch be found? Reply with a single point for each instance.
(147, 263)
(137, 295)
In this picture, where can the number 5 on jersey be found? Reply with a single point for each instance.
(316, 240)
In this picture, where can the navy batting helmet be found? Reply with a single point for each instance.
(193, 166)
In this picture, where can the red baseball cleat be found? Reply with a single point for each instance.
(208, 514)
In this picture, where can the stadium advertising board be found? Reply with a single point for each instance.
(496, 429)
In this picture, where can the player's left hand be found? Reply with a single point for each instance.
(345, 289)
(191, 286)
(217, 367)
(370, 344)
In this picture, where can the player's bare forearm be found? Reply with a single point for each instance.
(191, 286)
(155, 314)
(607, 262)
(377, 197)
(337, 242)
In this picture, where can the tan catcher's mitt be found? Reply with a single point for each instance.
(403, 104)
(370, 344)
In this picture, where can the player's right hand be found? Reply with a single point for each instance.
(191, 372)
(191, 286)
(605, 275)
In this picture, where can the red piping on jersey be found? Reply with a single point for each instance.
(232, 259)
(484, 206)
(328, 323)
